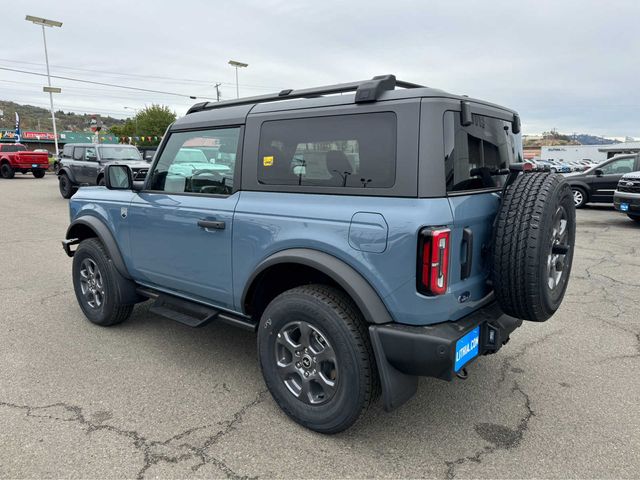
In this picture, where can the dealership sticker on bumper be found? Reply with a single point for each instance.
(467, 348)
(624, 207)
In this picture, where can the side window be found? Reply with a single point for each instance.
(184, 167)
(356, 151)
(67, 151)
(90, 154)
(475, 156)
(619, 167)
(78, 153)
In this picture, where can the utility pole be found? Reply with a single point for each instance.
(217, 87)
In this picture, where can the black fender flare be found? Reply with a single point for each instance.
(104, 234)
(359, 289)
(69, 173)
(581, 184)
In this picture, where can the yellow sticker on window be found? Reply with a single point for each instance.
(267, 161)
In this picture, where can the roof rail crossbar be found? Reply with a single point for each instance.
(366, 91)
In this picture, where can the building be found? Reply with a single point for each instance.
(45, 140)
(570, 153)
(618, 148)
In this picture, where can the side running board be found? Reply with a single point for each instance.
(191, 313)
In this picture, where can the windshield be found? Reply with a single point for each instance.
(190, 155)
(122, 153)
(13, 148)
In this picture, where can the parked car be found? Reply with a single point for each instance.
(598, 183)
(82, 164)
(147, 153)
(14, 157)
(369, 239)
(626, 198)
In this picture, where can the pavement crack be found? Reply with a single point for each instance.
(174, 449)
(499, 436)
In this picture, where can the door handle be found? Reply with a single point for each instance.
(213, 224)
(467, 239)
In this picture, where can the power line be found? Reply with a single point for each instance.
(26, 72)
(159, 77)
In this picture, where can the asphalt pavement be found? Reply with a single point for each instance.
(151, 398)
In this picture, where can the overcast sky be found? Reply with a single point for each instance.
(572, 65)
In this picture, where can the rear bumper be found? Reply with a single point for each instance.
(30, 166)
(403, 352)
(631, 199)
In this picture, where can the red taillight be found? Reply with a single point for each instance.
(434, 261)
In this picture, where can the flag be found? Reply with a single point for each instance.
(17, 137)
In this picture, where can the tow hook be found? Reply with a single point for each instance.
(462, 374)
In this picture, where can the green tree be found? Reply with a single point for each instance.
(126, 129)
(152, 122)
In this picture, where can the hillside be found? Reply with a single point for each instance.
(39, 119)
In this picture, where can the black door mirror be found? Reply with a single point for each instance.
(118, 177)
(599, 172)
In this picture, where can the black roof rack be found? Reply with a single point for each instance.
(366, 91)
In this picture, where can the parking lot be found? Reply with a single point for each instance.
(152, 398)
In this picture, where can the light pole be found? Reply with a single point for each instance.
(237, 65)
(135, 118)
(43, 22)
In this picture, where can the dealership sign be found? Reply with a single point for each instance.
(10, 135)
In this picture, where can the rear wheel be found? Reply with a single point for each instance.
(316, 358)
(65, 185)
(95, 285)
(6, 171)
(635, 218)
(579, 197)
(38, 173)
(533, 243)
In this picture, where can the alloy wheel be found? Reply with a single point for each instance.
(306, 362)
(556, 260)
(91, 283)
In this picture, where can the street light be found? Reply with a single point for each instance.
(135, 117)
(43, 22)
(237, 65)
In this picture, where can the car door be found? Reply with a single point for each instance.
(77, 164)
(181, 224)
(90, 165)
(606, 176)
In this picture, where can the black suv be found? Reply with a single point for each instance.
(83, 164)
(598, 183)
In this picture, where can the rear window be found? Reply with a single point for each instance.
(13, 148)
(476, 156)
(356, 151)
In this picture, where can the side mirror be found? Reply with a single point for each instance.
(118, 177)
(599, 172)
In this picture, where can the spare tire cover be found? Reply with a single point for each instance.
(533, 244)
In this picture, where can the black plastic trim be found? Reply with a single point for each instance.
(350, 280)
(404, 352)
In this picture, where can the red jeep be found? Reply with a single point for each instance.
(14, 157)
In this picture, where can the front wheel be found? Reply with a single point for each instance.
(6, 171)
(38, 173)
(95, 285)
(317, 359)
(65, 186)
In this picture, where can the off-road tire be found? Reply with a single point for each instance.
(579, 192)
(113, 310)
(333, 313)
(38, 173)
(65, 185)
(6, 171)
(523, 245)
(635, 218)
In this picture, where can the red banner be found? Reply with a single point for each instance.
(37, 136)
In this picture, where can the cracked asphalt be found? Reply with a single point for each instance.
(151, 398)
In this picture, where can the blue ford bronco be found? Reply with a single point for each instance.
(370, 235)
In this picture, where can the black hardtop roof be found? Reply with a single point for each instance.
(99, 144)
(379, 88)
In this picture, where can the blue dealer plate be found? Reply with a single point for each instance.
(467, 348)
(34, 165)
(624, 207)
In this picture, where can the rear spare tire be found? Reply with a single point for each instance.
(533, 243)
